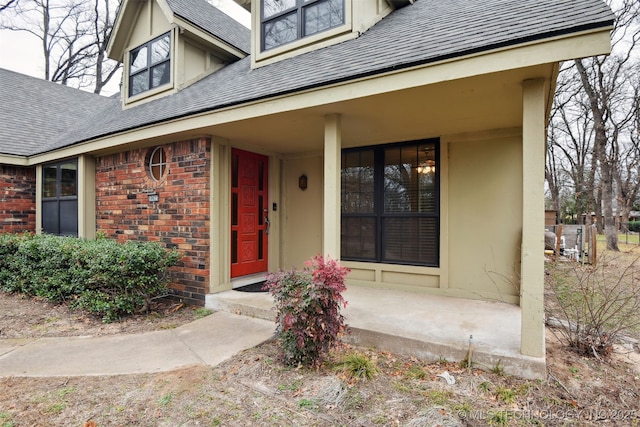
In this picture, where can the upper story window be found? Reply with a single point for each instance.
(284, 21)
(150, 65)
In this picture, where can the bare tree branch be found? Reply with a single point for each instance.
(592, 127)
(73, 35)
(8, 4)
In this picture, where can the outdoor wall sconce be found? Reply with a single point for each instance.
(302, 182)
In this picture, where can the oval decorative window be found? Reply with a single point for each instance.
(157, 164)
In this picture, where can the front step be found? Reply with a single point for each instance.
(251, 304)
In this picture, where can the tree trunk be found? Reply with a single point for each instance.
(600, 150)
(598, 211)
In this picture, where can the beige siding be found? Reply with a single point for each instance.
(367, 12)
(159, 22)
(144, 28)
(195, 61)
(302, 210)
(485, 211)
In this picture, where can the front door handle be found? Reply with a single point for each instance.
(267, 222)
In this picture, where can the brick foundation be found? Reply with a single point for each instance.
(17, 199)
(179, 219)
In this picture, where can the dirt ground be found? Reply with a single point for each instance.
(22, 317)
(255, 389)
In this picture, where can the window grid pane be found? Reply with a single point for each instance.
(160, 50)
(410, 240)
(139, 83)
(50, 180)
(358, 182)
(160, 75)
(274, 7)
(138, 59)
(280, 31)
(68, 180)
(323, 15)
(357, 238)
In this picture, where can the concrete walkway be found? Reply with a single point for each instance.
(207, 341)
(425, 326)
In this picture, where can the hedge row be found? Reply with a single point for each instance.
(104, 277)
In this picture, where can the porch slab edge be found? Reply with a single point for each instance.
(260, 306)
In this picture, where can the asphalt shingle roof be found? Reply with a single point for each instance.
(209, 18)
(425, 32)
(35, 113)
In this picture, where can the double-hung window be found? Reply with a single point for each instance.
(390, 209)
(284, 21)
(150, 65)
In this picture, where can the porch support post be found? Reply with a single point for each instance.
(38, 199)
(532, 253)
(331, 205)
(219, 224)
(86, 197)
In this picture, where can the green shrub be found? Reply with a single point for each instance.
(102, 276)
(307, 302)
(8, 249)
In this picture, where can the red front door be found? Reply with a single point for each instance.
(249, 213)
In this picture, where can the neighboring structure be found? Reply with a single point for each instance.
(362, 129)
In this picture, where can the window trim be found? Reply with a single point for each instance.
(149, 67)
(380, 215)
(301, 38)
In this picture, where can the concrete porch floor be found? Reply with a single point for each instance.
(426, 326)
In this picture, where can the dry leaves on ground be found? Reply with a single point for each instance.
(255, 389)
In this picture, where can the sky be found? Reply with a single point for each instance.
(22, 52)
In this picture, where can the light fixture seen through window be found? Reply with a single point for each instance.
(426, 167)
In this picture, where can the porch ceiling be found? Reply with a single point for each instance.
(492, 101)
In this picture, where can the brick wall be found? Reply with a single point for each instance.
(17, 199)
(180, 219)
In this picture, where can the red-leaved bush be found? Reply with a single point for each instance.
(307, 302)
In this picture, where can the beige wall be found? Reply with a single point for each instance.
(481, 221)
(159, 22)
(485, 215)
(302, 210)
(151, 22)
(367, 12)
(195, 61)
